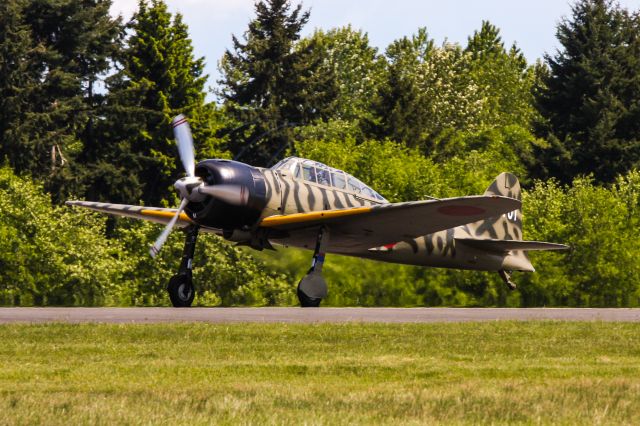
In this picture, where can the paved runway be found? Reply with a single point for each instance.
(309, 315)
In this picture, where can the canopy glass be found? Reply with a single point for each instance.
(321, 174)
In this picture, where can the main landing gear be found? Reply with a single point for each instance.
(313, 288)
(506, 277)
(180, 288)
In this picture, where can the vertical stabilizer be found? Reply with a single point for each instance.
(509, 225)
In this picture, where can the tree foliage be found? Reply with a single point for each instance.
(86, 105)
(504, 79)
(601, 226)
(58, 256)
(62, 51)
(159, 78)
(428, 92)
(52, 255)
(16, 77)
(271, 84)
(355, 66)
(592, 96)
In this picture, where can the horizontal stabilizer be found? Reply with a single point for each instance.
(509, 245)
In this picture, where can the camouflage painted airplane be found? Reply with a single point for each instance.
(303, 203)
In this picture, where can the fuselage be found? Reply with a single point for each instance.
(298, 195)
(297, 185)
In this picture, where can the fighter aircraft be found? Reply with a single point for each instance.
(306, 204)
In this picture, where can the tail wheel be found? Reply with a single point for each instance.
(181, 291)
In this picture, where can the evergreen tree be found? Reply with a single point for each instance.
(72, 44)
(270, 85)
(159, 78)
(16, 77)
(52, 54)
(592, 96)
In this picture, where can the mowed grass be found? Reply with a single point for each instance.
(496, 372)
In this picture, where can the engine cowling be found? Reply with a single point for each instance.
(218, 214)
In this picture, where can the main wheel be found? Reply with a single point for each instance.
(181, 291)
(308, 302)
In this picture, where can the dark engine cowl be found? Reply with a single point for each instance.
(218, 214)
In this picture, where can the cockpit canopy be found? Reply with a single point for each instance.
(321, 174)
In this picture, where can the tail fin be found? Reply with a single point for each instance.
(503, 234)
(509, 225)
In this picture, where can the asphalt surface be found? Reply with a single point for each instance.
(309, 315)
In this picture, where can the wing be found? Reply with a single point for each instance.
(153, 214)
(358, 229)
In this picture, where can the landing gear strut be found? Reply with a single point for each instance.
(180, 288)
(313, 288)
(506, 277)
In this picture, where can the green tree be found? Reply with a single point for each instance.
(269, 84)
(592, 97)
(503, 77)
(224, 275)
(70, 44)
(355, 65)
(51, 254)
(136, 158)
(429, 92)
(16, 75)
(600, 225)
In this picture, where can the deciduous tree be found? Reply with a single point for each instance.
(503, 77)
(356, 66)
(428, 92)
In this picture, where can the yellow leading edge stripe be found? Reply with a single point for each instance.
(278, 220)
(166, 215)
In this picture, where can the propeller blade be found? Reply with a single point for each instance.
(155, 248)
(237, 195)
(184, 140)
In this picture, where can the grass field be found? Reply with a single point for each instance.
(501, 372)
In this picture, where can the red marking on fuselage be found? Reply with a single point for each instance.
(461, 210)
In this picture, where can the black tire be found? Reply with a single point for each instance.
(308, 302)
(181, 291)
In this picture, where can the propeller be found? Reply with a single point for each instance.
(184, 140)
(157, 245)
(191, 187)
(185, 186)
